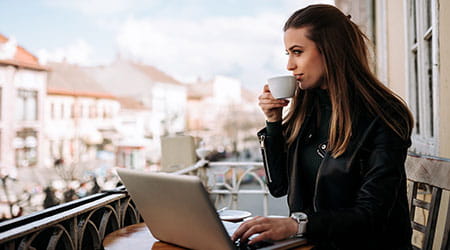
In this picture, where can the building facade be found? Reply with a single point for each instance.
(224, 114)
(22, 93)
(410, 55)
(163, 101)
(412, 58)
(80, 116)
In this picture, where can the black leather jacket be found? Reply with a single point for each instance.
(360, 199)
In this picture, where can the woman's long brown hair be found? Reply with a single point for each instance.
(352, 87)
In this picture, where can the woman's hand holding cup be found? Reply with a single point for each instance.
(271, 107)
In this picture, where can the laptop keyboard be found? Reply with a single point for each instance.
(243, 245)
(231, 227)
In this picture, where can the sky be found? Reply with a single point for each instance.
(187, 39)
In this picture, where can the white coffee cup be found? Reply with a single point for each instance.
(282, 86)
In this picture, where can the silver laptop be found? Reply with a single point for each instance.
(177, 210)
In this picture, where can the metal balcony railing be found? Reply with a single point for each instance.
(79, 224)
(83, 223)
(226, 178)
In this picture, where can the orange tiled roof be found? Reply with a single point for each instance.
(131, 103)
(124, 79)
(69, 79)
(156, 74)
(200, 89)
(22, 58)
(56, 91)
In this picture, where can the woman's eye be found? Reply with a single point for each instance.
(295, 52)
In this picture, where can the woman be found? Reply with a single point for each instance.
(339, 152)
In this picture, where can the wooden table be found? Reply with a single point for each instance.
(139, 237)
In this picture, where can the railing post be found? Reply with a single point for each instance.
(232, 186)
(234, 192)
(266, 204)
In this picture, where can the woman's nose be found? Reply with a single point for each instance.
(290, 64)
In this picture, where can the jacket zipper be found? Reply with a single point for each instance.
(317, 182)
(264, 154)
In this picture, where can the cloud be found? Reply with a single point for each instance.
(100, 7)
(244, 45)
(247, 47)
(295, 5)
(8, 49)
(78, 52)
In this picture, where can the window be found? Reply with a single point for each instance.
(106, 112)
(423, 59)
(74, 110)
(92, 111)
(1, 103)
(26, 105)
(68, 107)
(52, 111)
(84, 111)
(63, 107)
(25, 145)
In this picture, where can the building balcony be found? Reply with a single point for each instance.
(83, 223)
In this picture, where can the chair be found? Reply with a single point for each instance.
(177, 152)
(428, 177)
(446, 239)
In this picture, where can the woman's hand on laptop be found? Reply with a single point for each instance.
(267, 228)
